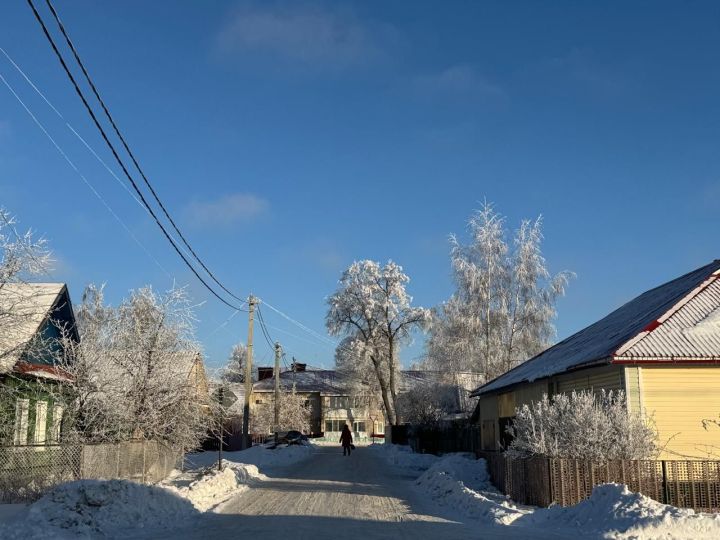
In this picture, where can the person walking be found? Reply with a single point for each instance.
(346, 440)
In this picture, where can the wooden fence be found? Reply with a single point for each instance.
(543, 481)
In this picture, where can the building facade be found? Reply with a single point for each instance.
(661, 348)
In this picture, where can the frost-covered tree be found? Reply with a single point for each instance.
(294, 414)
(427, 403)
(595, 426)
(134, 372)
(234, 369)
(22, 257)
(503, 307)
(373, 309)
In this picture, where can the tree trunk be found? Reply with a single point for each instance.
(393, 381)
(389, 406)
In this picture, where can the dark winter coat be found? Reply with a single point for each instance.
(346, 437)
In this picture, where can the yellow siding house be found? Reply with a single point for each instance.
(662, 349)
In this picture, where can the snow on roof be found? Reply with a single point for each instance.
(678, 319)
(29, 305)
(325, 381)
(330, 382)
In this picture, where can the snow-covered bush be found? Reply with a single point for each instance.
(588, 425)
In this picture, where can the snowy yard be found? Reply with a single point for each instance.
(381, 491)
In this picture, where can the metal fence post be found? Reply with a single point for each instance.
(665, 489)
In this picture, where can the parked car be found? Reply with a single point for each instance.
(285, 438)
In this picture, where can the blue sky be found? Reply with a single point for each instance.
(291, 138)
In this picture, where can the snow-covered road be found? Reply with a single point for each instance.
(331, 496)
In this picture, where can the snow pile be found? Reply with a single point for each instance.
(207, 488)
(91, 508)
(403, 457)
(259, 456)
(461, 482)
(613, 511)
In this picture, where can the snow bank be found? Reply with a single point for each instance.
(207, 488)
(462, 483)
(259, 456)
(91, 508)
(403, 457)
(613, 511)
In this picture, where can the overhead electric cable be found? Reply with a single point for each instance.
(130, 153)
(117, 157)
(300, 325)
(72, 129)
(82, 176)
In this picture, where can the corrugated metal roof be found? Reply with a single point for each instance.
(693, 331)
(599, 342)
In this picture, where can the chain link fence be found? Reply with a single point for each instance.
(26, 472)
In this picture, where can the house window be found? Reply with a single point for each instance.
(22, 409)
(380, 428)
(57, 414)
(40, 422)
(339, 402)
(359, 427)
(334, 425)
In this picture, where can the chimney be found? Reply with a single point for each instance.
(265, 373)
(297, 367)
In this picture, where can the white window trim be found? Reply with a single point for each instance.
(41, 408)
(22, 414)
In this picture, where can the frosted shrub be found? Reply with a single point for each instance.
(588, 425)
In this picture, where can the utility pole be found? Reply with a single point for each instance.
(246, 439)
(221, 399)
(278, 352)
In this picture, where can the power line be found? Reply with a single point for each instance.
(264, 329)
(72, 129)
(82, 176)
(316, 335)
(117, 157)
(130, 153)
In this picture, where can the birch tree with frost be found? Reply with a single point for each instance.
(234, 369)
(372, 307)
(502, 311)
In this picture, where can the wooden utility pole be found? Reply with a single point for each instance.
(278, 352)
(246, 439)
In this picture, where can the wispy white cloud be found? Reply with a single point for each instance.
(458, 80)
(309, 34)
(228, 210)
